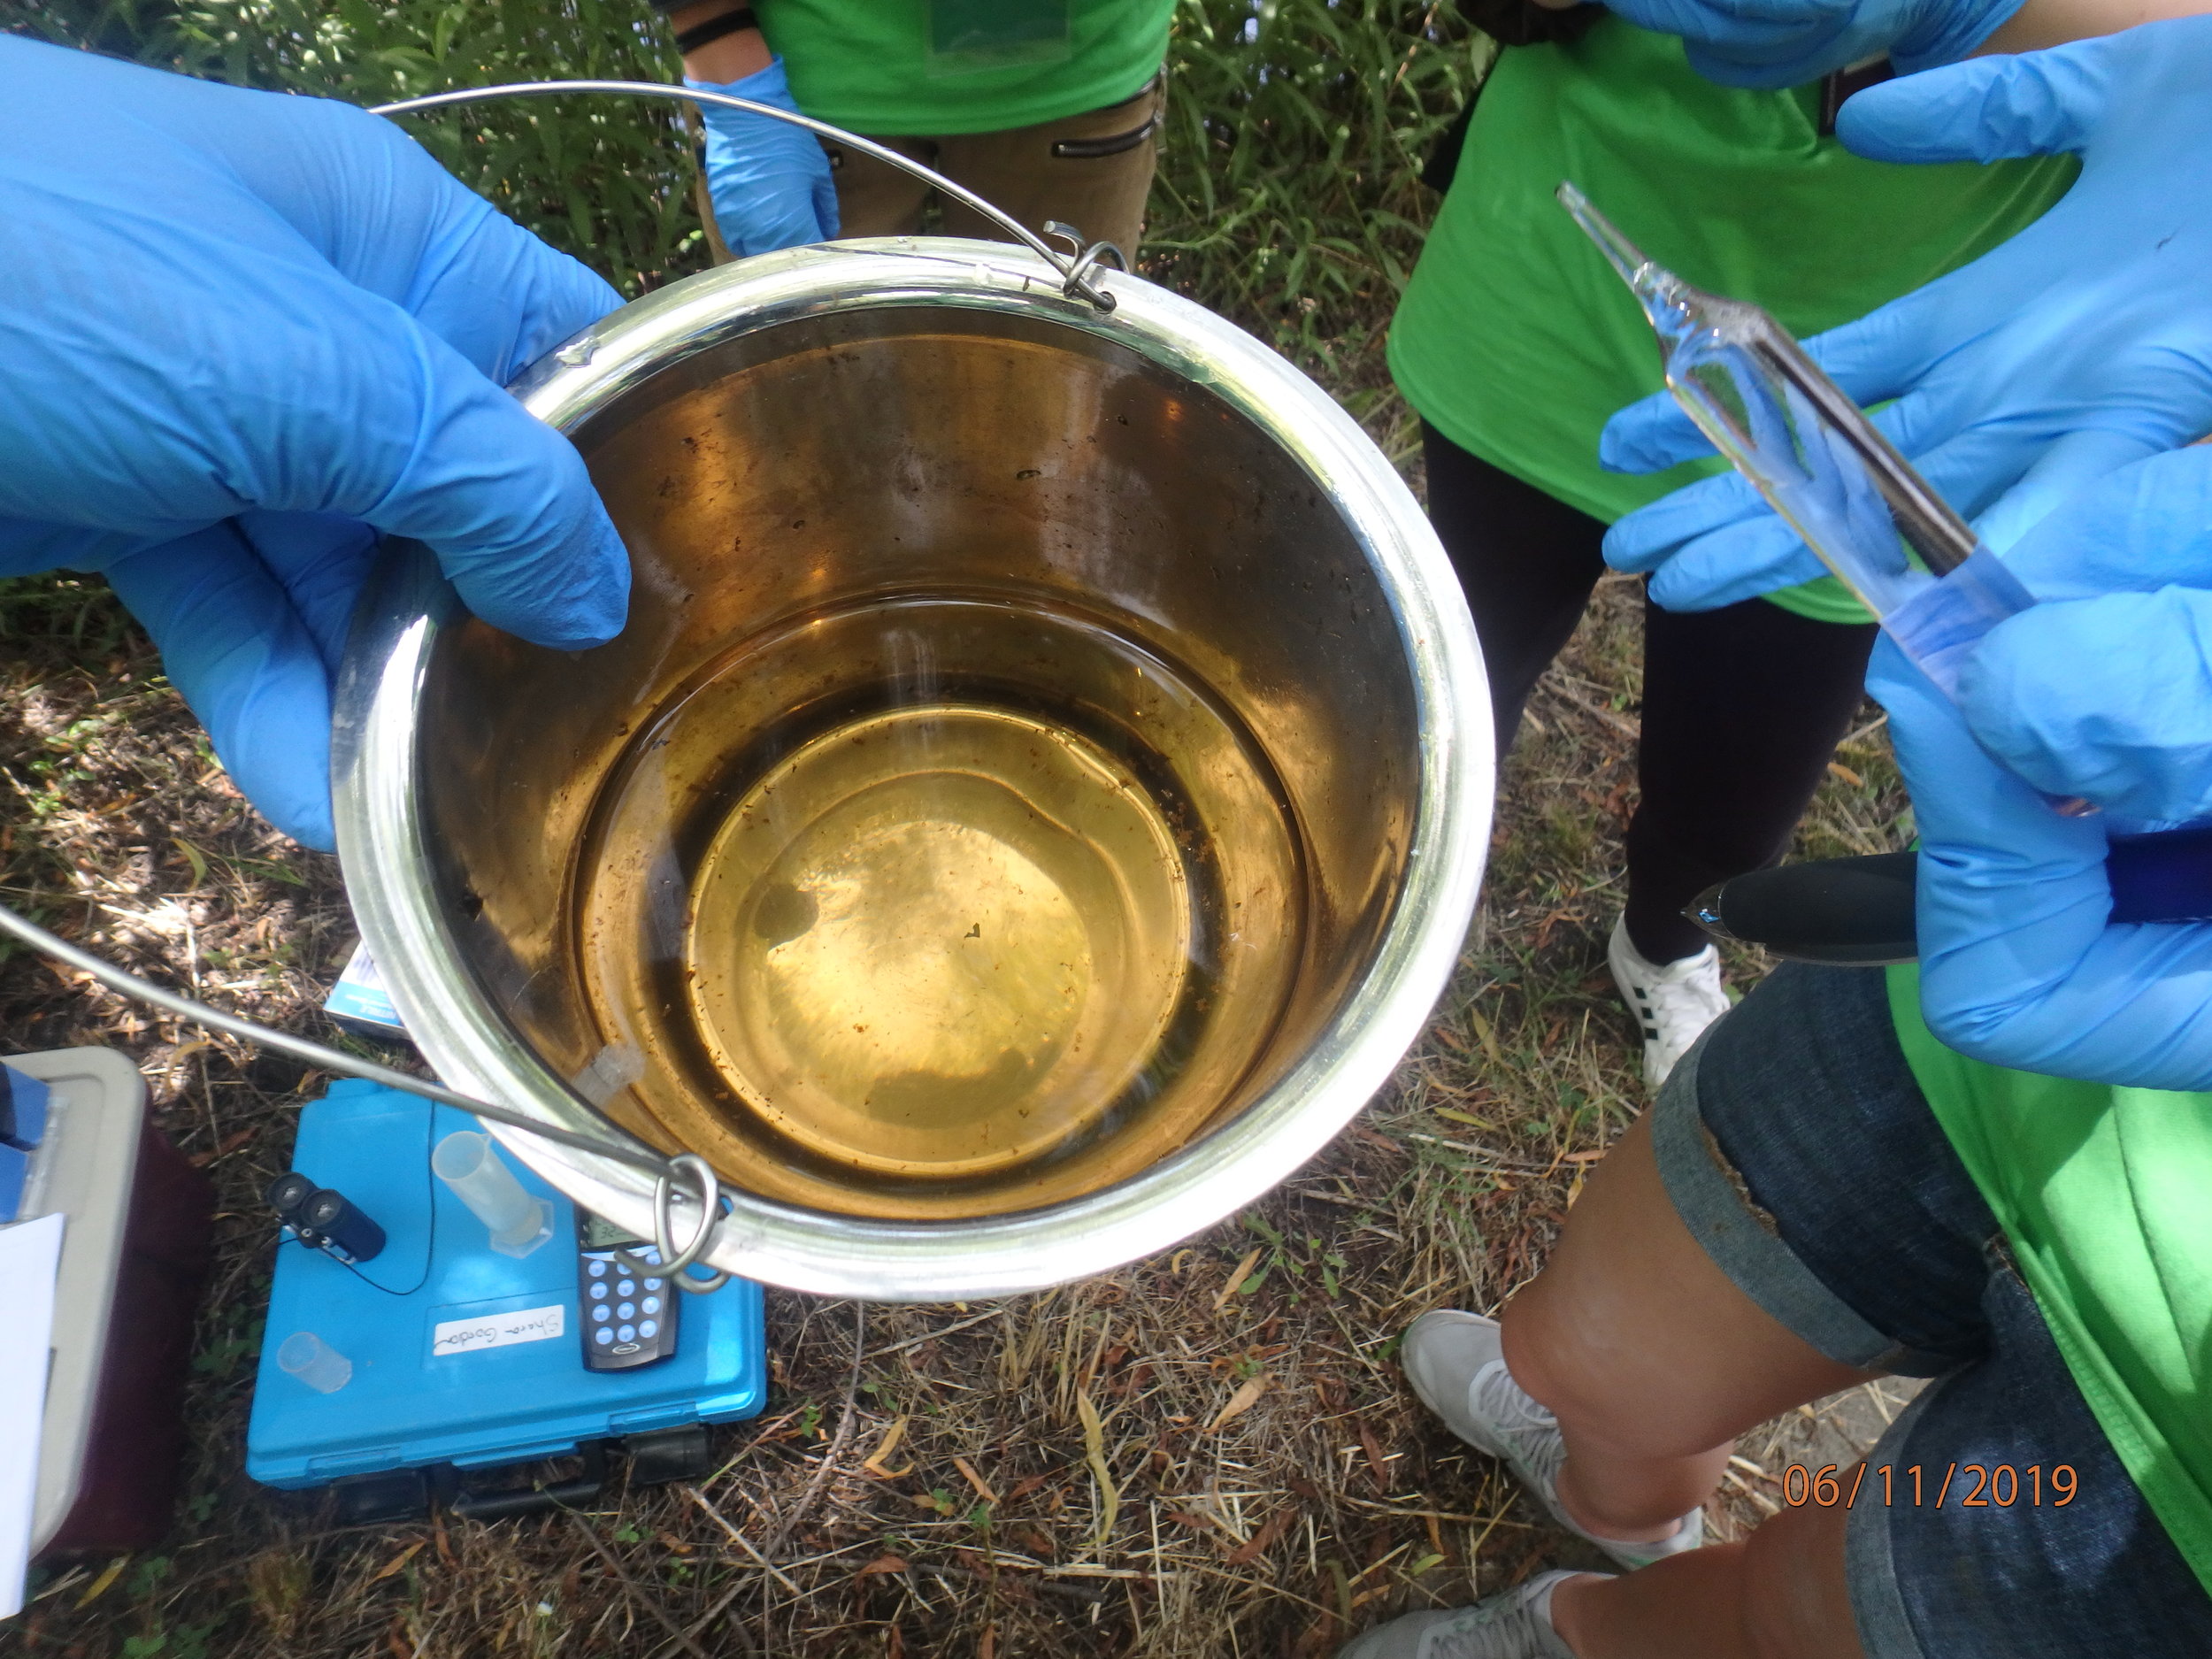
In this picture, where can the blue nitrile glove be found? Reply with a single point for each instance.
(1776, 43)
(2083, 343)
(2104, 690)
(239, 334)
(769, 181)
(2017, 964)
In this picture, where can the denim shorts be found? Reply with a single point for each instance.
(1800, 1152)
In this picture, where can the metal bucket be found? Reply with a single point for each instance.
(879, 494)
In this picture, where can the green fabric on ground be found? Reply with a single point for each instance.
(2105, 1194)
(866, 65)
(1517, 340)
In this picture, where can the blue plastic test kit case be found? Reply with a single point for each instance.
(512, 1392)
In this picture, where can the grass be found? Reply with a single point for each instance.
(1209, 1453)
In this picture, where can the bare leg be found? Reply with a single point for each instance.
(1780, 1594)
(1652, 1359)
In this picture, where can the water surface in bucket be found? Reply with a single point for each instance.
(941, 905)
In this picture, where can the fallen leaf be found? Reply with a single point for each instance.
(1196, 1522)
(982, 1487)
(1487, 1037)
(1240, 1403)
(883, 1564)
(874, 1463)
(1376, 1464)
(194, 856)
(230, 1144)
(99, 1585)
(1095, 1455)
(399, 1561)
(1242, 1271)
(1026, 1485)
(1252, 1548)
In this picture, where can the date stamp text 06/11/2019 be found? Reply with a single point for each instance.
(1965, 1486)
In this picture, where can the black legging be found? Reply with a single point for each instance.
(1743, 706)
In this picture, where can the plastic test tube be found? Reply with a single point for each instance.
(467, 1162)
(314, 1361)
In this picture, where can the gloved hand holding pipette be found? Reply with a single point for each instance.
(2108, 697)
(2081, 344)
(769, 181)
(1787, 42)
(2103, 689)
(239, 334)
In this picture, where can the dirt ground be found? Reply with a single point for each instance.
(1209, 1453)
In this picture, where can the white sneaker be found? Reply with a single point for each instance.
(1516, 1624)
(1456, 1364)
(1672, 1003)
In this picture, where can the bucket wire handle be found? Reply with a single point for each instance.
(1077, 270)
(700, 1172)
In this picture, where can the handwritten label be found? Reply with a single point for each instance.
(497, 1330)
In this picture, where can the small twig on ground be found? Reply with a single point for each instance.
(740, 1541)
(838, 1442)
(630, 1587)
(721, 1606)
(930, 1336)
(1619, 722)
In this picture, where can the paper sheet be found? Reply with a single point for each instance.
(29, 1253)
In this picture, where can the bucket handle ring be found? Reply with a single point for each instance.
(699, 1171)
(674, 1263)
(1077, 270)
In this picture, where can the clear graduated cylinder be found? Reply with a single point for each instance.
(1819, 462)
(470, 1165)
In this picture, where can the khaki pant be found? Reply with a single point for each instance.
(1090, 171)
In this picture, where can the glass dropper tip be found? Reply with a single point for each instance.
(1674, 308)
(1625, 255)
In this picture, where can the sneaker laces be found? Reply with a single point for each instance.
(1529, 1434)
(1682, 997)
(1530, 1442)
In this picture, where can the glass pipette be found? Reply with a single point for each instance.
(1874, 521)
(1819, 462)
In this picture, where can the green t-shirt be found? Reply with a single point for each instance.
(1517, 340)
(2105, 1194)
(901, 68)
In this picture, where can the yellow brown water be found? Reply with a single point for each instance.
(939, 905)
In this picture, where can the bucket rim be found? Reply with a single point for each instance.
(381, 833)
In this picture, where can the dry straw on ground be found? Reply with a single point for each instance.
(1208, 1454)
